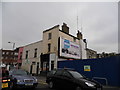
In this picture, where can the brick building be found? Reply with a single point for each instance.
(9, 57)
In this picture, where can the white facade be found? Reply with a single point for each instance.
(31, 60)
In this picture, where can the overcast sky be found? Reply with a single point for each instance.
(24, 22)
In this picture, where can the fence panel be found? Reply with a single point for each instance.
(107, 68)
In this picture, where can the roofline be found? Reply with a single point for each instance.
(51, 28)
(32, 43)
(91, 49)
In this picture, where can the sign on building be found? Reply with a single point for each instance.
(69, 49)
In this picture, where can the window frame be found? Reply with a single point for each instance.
(49, 47)
(49, 36)
(35, 52)
(26, 55)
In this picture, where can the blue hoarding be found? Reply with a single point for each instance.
(104, 70)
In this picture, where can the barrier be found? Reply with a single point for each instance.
(108, 68)
(99, 78)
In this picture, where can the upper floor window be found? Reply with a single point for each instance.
(35, 53)
(49, 47)
(20, 55)
(16, 53)
(26, 54)
(3, 52)
(74, 39)
(7, 53)
(49, 36)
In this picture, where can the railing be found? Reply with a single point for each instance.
(100, 78)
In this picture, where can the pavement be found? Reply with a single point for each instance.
(43, 84)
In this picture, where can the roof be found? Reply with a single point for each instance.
(33, 43)
(51, 28)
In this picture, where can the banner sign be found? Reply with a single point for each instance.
(69, 49)
(87, 68)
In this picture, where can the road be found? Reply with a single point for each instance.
(43, 85)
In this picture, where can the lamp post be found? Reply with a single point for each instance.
(13, 44)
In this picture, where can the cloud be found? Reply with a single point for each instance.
(24, 23)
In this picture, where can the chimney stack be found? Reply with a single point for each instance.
(65, 28)
(79, 35)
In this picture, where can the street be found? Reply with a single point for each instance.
(43, 85)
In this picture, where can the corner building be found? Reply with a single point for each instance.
(56, 45)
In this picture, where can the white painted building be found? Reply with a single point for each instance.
(55, 46)
(31, 57)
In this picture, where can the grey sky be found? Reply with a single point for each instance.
(23, 23)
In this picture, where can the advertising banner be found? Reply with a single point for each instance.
(69, 49)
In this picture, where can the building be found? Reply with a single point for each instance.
(20, 53)
(0, 56)
(31, 57)
(9, 57)
(91, 54)
(104, 55)
(56, 45)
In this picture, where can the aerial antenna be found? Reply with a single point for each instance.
(77, 19)
(81, 26)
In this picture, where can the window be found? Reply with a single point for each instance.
(51, 72)
(3, 52)
(49, 47)
(7, 53)
(33, 63)
(11, 58)
(20, 55)
(12, 53)
(74, 39)
(35, 54)
(26, 54)
(6, 57)
(76, 74)
(49, 36)
(59, 72)
(67, 74)
(16, 53)
(1, 57)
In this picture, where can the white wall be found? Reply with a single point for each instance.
(83, 49)
(31, 50)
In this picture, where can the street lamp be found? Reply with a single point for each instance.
(13, 44)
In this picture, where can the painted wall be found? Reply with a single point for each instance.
(26, 63)
(19, 54)
(53, 41)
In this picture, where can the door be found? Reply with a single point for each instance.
(37, 70)
(52, 65)
(31, 67)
